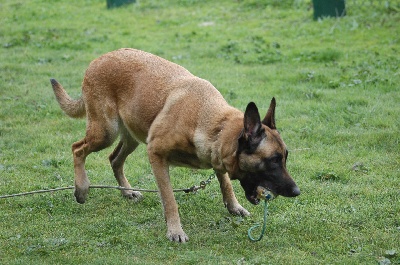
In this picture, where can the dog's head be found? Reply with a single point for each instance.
(262, 156)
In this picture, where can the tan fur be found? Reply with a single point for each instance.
(73, 108)
(182, 118)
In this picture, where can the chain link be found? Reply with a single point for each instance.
(202, 185)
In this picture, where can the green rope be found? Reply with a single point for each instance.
(264, 225)
(262, 193)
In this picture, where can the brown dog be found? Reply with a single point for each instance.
(183, 120)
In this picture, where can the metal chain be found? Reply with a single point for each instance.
(192, 189)
(204, 183)
(202, 186)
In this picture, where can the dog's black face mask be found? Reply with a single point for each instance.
(262, 156)
(276, 181)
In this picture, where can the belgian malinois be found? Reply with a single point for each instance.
(183, 120)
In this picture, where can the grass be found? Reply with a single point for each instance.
(336, 82)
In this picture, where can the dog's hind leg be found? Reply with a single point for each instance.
(117, 158)
(229, 197)
(99, 135)
(81, 180)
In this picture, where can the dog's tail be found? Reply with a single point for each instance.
(75, 108)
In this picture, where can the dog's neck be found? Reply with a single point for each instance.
(225, 159)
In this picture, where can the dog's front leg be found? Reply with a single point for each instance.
(161, 172)
(229, 197)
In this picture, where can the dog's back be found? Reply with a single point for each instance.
(136, 87)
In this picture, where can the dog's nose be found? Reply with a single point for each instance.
(295, 191)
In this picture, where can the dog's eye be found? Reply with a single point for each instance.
(273, 162)
(276, 159)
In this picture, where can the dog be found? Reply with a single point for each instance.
(183, 120)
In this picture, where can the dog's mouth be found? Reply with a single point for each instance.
(260, 193)
(254, 188)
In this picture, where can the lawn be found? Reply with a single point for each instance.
(337, 86)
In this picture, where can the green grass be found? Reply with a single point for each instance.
(337, 85)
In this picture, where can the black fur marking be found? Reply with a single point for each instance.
(53, 82)
(250, 145)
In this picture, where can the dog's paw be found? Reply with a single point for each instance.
(135, 196)
(81, 194)
(79, 198)
(177, 236)
(238, 210)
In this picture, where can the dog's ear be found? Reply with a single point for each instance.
(252, 122)
(269, 119)
(253, 132)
